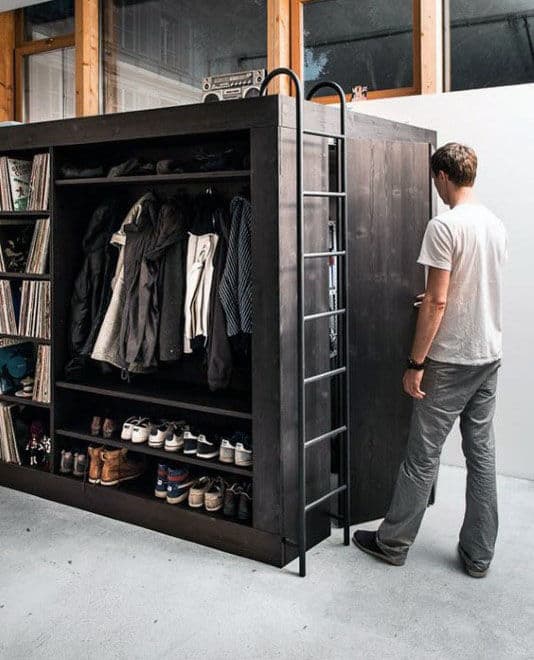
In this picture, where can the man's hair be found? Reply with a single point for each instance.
(457, 161)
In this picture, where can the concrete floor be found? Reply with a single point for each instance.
(76, 585)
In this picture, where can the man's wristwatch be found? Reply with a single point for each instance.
(418, 366)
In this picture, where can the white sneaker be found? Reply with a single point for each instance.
(157, 435)
(174, 438)
(127, 427)
(190, 443)
(141, 431)
(243, 455)
(227, 451)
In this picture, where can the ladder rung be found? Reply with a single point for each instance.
(325, 436)
(322, 499)
(326, 374)
(321, 315)
(316, 255)
(334, 136)
(323, 193)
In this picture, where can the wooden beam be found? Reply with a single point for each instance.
(86, 21)
(7, 67)
(428, 50)
(279, 42)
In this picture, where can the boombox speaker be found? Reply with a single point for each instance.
(230, 86)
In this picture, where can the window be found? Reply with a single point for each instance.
(156, 52)
(45, 62)
(366, 43)
(489, 43)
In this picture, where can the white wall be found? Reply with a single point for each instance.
(499, 124)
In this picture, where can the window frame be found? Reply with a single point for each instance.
(297, 54)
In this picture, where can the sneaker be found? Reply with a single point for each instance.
(231, 499)
(366, 541)
(178, 485)
(80, 464)
(174, 438)
(108, 428)
(128, 427)
(141, 431)
(243, 450)
(190, 443)
(207, 448)
(95, 464)
(118, 467)
(197, 492)
(156, 438)
(160, 489)
(67, 462)
(214, 496)
(227, 451)
(469, 568)
(244, 509)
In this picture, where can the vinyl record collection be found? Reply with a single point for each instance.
(34, 319)
(41, 388)
(24, 184)
(9, 451)
(22, 250)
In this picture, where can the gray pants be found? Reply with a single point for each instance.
(452, 391)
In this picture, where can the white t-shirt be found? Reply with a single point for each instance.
(470, 242)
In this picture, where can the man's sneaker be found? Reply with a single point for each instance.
(174, 438)
(227, 451)
(95, 464)
(67, 462)
(80, 464)
(214, 496)
(207, 448)
(141, 431)
(178, 485)
(244, 509)
(156, 439)
(161, 481)
(190, 443)
(197, 492)
(243, 449)
(118, 467)
(472, 572)
(231, 500)
(366, 541)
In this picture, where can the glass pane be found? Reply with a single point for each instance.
(491, 43)
(156, 53)
(49, 19)
(359, 43)
(49, 85)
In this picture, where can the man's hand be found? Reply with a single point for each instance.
(412, 383)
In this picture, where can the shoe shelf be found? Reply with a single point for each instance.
(144, 448)
(226, 175)
(22, 401)
(168, 396)
(23, 276)
(35, 340)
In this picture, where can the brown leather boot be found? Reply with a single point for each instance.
(119, 467)
(95, 464)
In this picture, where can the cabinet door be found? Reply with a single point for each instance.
(390, 203)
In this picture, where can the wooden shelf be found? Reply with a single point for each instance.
(23, 276)
(192, 177)
(21, 338)
(219, 404)
(21, 401)
(160, 453)
(24, 215)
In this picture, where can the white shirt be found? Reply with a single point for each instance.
(470, 242)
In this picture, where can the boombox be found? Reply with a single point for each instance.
(229, 86)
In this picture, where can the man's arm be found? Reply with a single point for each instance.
(428, 322)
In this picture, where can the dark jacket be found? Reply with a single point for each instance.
(92, 287)
(138, 332)
(219, 352)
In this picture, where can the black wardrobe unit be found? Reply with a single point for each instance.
(390, 201)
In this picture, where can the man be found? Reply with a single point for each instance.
(452, 369)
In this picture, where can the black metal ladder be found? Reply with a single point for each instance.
(342, 367)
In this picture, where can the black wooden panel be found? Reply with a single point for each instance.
(389, 202)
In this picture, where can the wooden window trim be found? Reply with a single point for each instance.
(424, 51)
